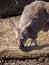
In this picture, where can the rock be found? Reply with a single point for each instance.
(41, 59)
(12, 7)
(47, 60)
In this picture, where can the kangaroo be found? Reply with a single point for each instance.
(34, 17)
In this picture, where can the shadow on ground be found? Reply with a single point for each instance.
(38, 47)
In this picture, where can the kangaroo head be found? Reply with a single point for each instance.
(20, 31)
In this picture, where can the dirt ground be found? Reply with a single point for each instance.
(38, 61)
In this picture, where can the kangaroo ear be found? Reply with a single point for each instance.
(12, 24)
(46, 7)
